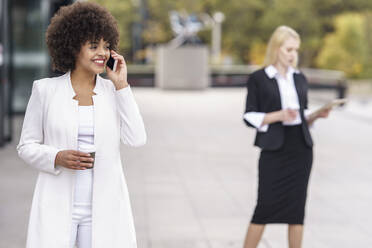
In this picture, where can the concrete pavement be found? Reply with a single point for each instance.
(194, 184)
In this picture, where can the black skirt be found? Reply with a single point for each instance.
(283, 180)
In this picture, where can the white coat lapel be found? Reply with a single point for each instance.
(98, 111)
(74, 112)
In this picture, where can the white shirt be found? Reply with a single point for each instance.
(288, 97)
(84, 178)
(86, 129)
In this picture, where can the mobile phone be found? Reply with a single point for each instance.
(112, 63)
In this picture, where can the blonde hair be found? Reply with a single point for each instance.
(280, 35)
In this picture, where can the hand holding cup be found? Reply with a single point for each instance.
(75, 160)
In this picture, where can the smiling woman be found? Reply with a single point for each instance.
(92, 56)
(72, 132)
(71, 28)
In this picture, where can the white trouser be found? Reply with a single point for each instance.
(81, 231)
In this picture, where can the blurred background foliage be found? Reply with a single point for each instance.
(335, 34)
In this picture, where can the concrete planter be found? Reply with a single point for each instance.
(182, 68)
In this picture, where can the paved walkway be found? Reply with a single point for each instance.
(194, 184)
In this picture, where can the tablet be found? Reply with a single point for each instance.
(329, 105)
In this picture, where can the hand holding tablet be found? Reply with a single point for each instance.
(328, 106)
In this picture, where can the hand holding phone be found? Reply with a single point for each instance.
(112, 63)
(118, 74)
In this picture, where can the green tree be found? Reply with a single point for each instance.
(248, 23)
(346, 49)
(300, 16)
(125, 14)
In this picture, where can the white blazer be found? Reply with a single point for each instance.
(51, 125)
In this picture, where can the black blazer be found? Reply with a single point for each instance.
(264, 96)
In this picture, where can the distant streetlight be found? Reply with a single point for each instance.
(138, 28)
(218, 18)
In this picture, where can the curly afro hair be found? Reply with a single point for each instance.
(72, 26)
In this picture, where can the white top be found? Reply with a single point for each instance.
(86, 129)
(288, 97)
(84, 178)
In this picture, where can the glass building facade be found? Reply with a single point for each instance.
(30, 19)
(23, 54)
(5, 96)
